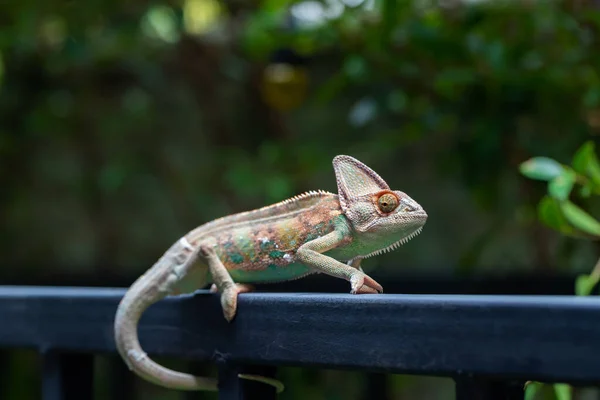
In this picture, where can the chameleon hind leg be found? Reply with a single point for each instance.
(229, 291)
(223, 282)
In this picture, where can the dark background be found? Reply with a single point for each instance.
(124, 124)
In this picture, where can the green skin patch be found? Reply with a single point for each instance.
(267, 253)
(281, 264)
(272, 273)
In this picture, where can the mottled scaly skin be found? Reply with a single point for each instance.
(264, 249)
(312, 233)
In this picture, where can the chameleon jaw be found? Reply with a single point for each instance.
(394, 245)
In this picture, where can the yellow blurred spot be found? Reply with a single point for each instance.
(199, 16)
(284, 86)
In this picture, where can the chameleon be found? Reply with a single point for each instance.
(314, 232)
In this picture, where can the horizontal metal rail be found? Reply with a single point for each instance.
(545, 338)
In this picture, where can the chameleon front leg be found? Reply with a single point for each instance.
(310, 254)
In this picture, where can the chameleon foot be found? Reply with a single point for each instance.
(363, 283)
(229, 299)
(278, 385)
(364, 289)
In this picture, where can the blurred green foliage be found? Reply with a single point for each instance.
(125, 124)
(558, 212)
(118, 118)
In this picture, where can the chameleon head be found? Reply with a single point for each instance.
(383, 218)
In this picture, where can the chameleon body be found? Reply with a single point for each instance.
(310, 233)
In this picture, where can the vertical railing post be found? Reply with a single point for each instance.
(67, 376)
(122, 380)
(377, 386)
(231, 387)
(473, 388)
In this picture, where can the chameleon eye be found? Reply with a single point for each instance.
(387, 202)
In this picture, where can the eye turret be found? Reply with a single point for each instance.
(387, 202)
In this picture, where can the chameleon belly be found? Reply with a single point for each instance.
(272, 273)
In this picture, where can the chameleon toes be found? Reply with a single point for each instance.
(229, 304)
(364, 289)
(372, 283)
(229, 298)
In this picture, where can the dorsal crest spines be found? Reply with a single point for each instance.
(302, 196)
(263, 212)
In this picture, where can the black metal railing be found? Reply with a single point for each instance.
(490, 345)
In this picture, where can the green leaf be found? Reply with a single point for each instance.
(579, 218)
(532, 389)
(584, 285)
(586, 163)
(549, 213)
(561, 186)
(562, 391)
(541, 168)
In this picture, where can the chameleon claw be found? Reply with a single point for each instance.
(278, 385)
(362, 284)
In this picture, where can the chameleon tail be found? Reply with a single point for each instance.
(151, 287)
(143, 293)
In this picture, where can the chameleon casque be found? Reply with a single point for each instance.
(310, 233)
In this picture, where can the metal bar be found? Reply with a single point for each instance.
(404, 283)
(542, 338)
(486, 389)
(67, 376)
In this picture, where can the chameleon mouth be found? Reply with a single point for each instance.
(395, 245)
